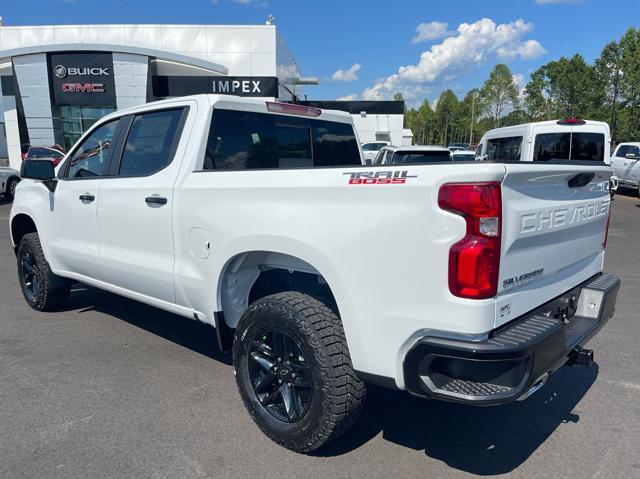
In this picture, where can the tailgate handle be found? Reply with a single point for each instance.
(581, 179)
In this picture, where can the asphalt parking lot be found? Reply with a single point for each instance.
(113, 388)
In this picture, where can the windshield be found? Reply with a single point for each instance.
(417, 157)
(372, 146)
(44, 153)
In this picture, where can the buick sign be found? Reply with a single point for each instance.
(61, 71)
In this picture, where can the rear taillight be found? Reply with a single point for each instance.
(474, 261)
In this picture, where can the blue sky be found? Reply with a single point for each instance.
(367, 49)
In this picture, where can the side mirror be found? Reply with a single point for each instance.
(632, 156)
(41, 170)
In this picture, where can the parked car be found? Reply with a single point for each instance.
(458, 146)
(44, 153)
(411, 155)
(625, 163)
(557, 140)
(371, 149)
(258, 218)
(463, 155)
(9, 179)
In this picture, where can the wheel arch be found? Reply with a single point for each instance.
(21, 224)
(240, 276)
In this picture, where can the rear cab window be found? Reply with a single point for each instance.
(420, 157)
(505, 149)
(241, 140)
(583, 146)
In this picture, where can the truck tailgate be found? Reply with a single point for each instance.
(554, 225)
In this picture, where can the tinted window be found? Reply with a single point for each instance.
(334, 144)
(91, 158)
(372, 146)
(418, 157)
(552, 146)
(464, 157)
(587, 146)
(567, 146)
(44, 153)
(245, 140)
(624, 150)
(504, 149)
(149, 145)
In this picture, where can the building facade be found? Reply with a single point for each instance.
(56, 81)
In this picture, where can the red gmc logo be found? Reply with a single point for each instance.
(83, 87)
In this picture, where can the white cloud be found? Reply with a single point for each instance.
(349, 97)
(430, 31)
(350, 74)
(548, 2)
(473, 45)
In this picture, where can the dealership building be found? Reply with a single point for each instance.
(56, 81)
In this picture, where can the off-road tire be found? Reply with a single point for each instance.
(337, 394)
(10, 191)
(53, 291)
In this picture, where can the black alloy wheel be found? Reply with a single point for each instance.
(280, 375)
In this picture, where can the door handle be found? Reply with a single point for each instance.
(87, 197)
(155, 200)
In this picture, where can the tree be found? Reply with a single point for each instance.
(562, 88)
(397, 96)
(446, 114)
(499, 94)
(630, 84)
(608, 75)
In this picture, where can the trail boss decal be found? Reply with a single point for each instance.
(379, 177)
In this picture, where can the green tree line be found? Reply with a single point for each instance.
(607, 90)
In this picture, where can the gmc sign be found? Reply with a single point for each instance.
(83, 87)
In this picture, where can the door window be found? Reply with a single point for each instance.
(624, 150)
(91, 157)
(151, 142)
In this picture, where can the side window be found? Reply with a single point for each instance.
(552, 146)
(624, 150)
(504, 149)
(91, 158)
(150, 142)
(478, 155)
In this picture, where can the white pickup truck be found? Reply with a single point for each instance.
(467, 282)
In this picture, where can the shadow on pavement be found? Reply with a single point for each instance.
(191, 334)
(479, 440)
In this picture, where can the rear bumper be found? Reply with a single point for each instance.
(517, 358)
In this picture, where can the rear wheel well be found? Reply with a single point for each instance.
(21, 225)
(251, 276)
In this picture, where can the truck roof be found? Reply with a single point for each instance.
(528, 127)
(233, 102)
